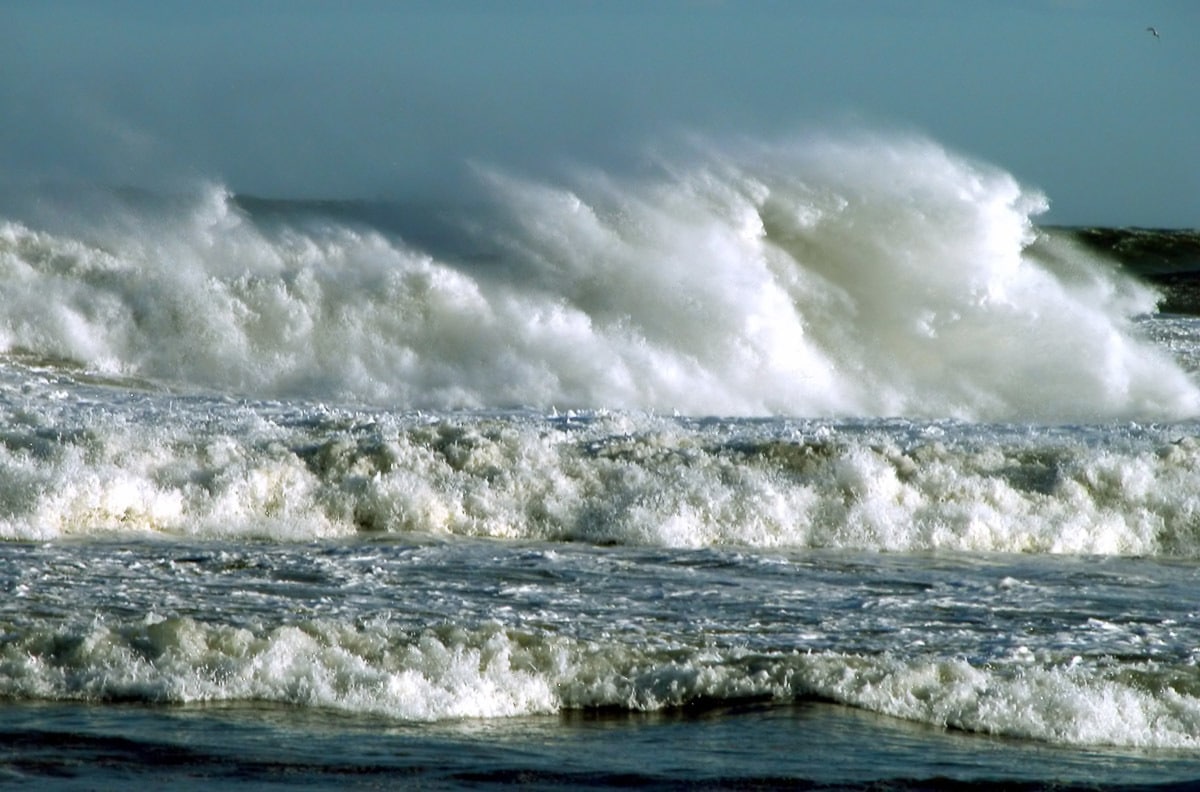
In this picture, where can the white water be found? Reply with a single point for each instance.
(217, 483)
(472, 675)
(869, 278)
(601, 646)
(94, 460)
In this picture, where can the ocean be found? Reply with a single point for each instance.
(815, 464)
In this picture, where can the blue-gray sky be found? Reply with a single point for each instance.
(308, 98)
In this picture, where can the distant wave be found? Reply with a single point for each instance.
(862, 277)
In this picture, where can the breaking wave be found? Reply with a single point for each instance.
(861, 277)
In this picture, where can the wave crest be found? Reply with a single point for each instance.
(868, 277)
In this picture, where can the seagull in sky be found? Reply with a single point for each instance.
(1153, 30)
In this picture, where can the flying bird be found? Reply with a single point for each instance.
(1153, 30)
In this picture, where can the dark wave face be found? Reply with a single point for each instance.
(1165, 257)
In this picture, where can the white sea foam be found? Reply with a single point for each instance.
(318, 665)
(449, 672)
(218, 469)
(871, 276)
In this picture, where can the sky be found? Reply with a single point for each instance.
(394, 98)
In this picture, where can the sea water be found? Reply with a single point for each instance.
(814, 463)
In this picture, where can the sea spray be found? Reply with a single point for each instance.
(871, 277)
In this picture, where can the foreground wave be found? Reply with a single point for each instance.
(994, 648)
(453, 673)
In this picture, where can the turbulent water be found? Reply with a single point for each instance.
(776, 453)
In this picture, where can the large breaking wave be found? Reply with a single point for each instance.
(869, 276)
